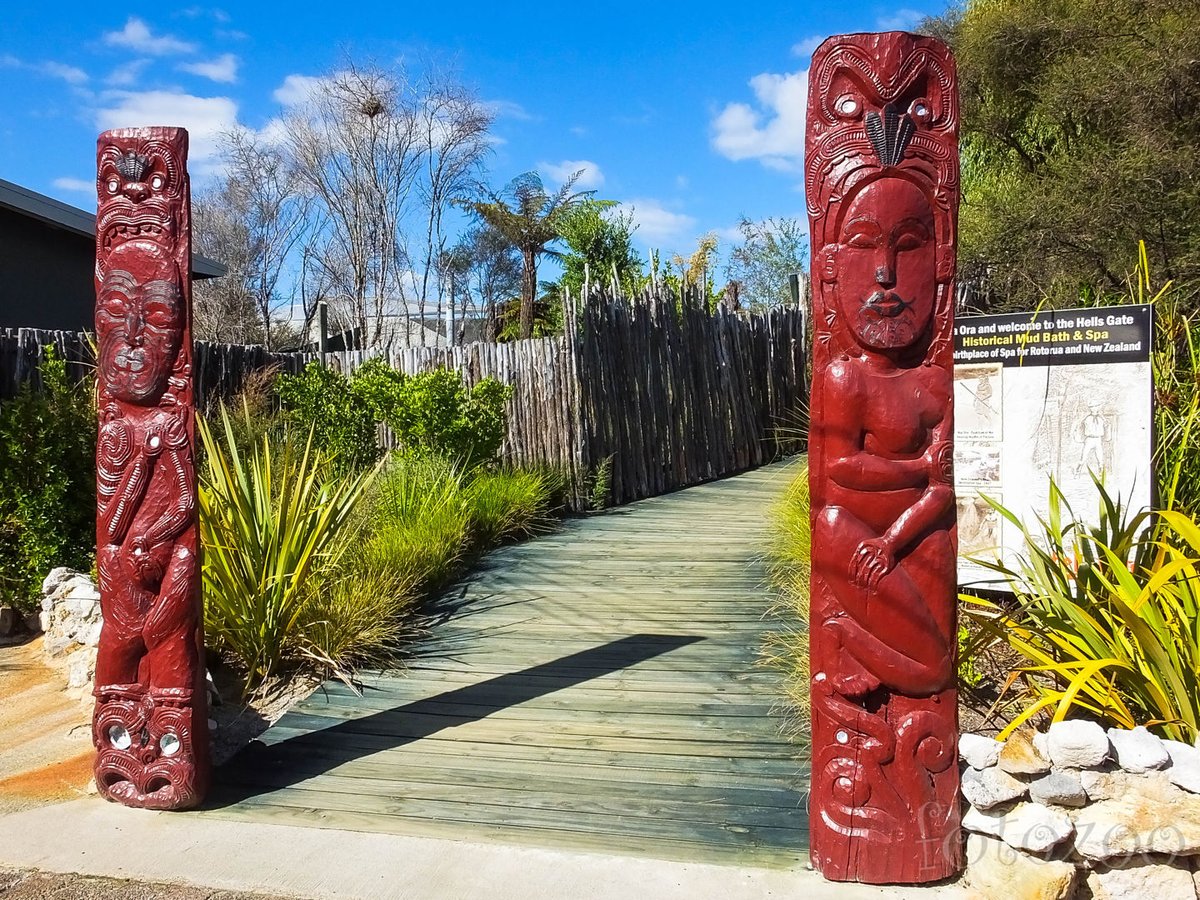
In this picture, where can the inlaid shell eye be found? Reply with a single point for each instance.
(156, 182)
(169, 744)
(920, 110)
(847, 106)
(113, 185)
(119, 737)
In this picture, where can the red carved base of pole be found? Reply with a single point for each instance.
(150, 727)
(881, 174)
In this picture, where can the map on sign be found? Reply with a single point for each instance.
(1062, 395)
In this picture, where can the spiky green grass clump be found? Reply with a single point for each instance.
(788, 567)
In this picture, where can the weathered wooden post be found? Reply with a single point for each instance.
(150, 726)
(881, 176)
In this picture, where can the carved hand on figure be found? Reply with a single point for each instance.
(872, 560)
(940, 460)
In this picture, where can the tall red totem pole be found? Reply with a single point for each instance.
(881, 176)
(151, 722)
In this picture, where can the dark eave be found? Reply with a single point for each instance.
(72, 219)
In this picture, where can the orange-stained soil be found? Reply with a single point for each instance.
(45, 733)
(62, 780)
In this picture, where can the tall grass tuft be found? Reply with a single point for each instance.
(508, 504)
(420, 524)
(788, 567)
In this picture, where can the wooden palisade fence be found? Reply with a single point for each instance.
(650, 394)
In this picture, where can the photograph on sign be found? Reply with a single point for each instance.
(1062, 395)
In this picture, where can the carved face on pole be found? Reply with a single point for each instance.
(139, 321)
(885, 266)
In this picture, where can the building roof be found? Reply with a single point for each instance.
(71, 219)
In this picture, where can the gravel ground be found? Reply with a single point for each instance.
(16, 885)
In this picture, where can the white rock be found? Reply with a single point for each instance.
(212, 725)
(89, 635)
(1107, 785)
(1077, 744)
(55, 578)
(56, 644)
(81, 668)
(1142, 879)
(1026, 826)
(1059, 789)
(991, 787)
(1137, 750)
(1184, 770)
(81, 607)
(977, 751)
(996, 870)
(1143, 814)
(77, 587)
(1040, 744)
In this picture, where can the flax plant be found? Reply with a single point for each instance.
(271, 521)
(1107, 618)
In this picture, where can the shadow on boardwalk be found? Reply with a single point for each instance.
(597, 688)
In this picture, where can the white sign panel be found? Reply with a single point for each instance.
(1055, 395)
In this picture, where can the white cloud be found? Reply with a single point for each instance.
(222, 69)
(69, 74)
(195, 12)
(578, 130)
(75, 185)
(657, 225)
(590, 179)
(128, 73)
(805, 46)
(508, 109)
(72, 75)
(275, 132)
(772, 131)
(136, 35)
(296, 90)
(205, 118)
(900, 20)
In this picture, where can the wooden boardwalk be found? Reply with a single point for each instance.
(595, 689)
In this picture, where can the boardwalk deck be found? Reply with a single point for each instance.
(596, 689)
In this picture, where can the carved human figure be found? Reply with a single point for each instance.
(881, 176)
(150, 722)
(888, 453)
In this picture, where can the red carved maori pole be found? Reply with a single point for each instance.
(150, 726)
(881, 176)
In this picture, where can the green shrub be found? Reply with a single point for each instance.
(274, 527)
(431, 412)
(437, 413)
(47, 483)
(321, 401)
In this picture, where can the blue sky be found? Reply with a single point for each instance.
(692, 113)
